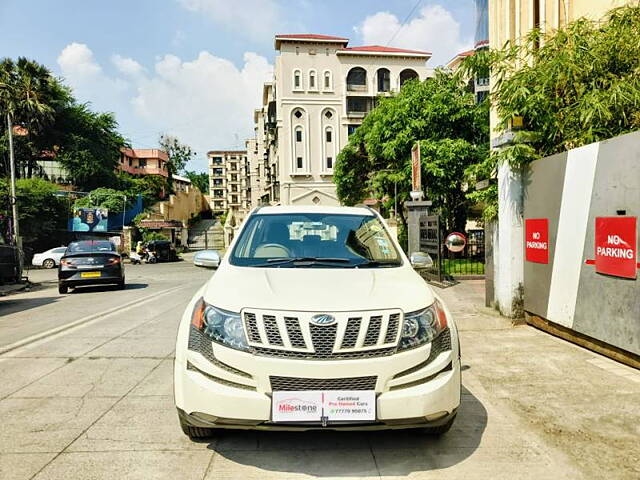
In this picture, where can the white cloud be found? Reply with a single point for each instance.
(433, 30)
(258, 19)
(206, 102)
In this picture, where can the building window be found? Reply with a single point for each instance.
(299, 163)
(297, 80)
(357, 79)
(299, 135)
(328, 135)
(358, 105)
(351, 129)
(297, 114)
(328, 114)
(406, 75)
(384, 80)
(142, 162)
(329, 163)
(312, 80)
(327, 80)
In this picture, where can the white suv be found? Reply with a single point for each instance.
(316, 319)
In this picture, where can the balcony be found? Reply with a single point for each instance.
(137, 170)
(358, 107)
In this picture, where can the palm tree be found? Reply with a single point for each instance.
(28, 94)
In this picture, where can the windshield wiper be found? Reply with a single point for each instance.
(275, 262)
(376, 263)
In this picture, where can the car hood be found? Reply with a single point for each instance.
(317, 289)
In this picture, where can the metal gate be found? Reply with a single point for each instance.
(447, 265)
(431, 243)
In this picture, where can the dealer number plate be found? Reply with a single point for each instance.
(89, 274)
(324, 406)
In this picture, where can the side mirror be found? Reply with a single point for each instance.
(421, 260)
(207, 259)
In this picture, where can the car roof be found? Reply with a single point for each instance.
(293, 209)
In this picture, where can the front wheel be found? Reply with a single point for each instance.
(121, 285)
(49, 263)
(62, 289)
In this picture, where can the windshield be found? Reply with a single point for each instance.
(91, 246)
(314, 240)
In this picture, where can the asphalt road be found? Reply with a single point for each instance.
(95, 401)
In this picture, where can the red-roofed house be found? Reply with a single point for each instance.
(321, 91)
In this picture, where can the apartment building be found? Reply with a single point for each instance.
(143, 161)
(321, 92)
(229, 186)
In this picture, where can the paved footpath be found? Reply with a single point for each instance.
(95, 402)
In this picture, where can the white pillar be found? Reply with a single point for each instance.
(509, 252)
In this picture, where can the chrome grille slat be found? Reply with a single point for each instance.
(373, 332)
(301, 384)
(251, 326)
(351, 332)
(323, 339)
(272, 330)
(378, 352)
(392, 328)
(295, 333)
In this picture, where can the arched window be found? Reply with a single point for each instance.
(297, 80)
(328, 81)
(406, 75)
(312, 80)
(384, 80)
(330, 139)
(299, 142)
(357, 79)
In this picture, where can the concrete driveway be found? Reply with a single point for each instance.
(95, 401)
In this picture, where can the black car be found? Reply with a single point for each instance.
(163, 250)
(90, 262)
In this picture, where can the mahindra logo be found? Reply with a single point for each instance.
(323, 319)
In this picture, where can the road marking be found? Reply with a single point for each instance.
(82, 321)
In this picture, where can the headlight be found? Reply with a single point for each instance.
(219, 325)
(423, 326)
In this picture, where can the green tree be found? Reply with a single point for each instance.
(179, 153)
(113, 200)
(200, 180)
(42, 213)
(31, 96)
(88, 146)
(452, 130)
(575, 86)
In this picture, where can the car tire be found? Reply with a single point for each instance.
(440, 429)
(62, 289)
(196, 433)
(121, 285)
(49, 263)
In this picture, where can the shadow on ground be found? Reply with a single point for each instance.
(384, 453)
(10, 305)
(108, 288)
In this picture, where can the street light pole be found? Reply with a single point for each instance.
(14, 198)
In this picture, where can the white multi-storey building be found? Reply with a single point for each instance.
(320, 94)
(229, 185)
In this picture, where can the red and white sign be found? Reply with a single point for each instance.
(616, 246)
(536, 240)
(319, 406)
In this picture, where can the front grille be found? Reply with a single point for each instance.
(299, 384)
(293, 335)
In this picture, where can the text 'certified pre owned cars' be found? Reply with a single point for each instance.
(90, 262)
(316, 319)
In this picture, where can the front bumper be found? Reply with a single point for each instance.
(234, 390)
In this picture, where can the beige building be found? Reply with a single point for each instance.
(229, 187)
(321, 92)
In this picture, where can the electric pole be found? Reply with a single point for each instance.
(13, 199)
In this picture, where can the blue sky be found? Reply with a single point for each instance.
(194, 68)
